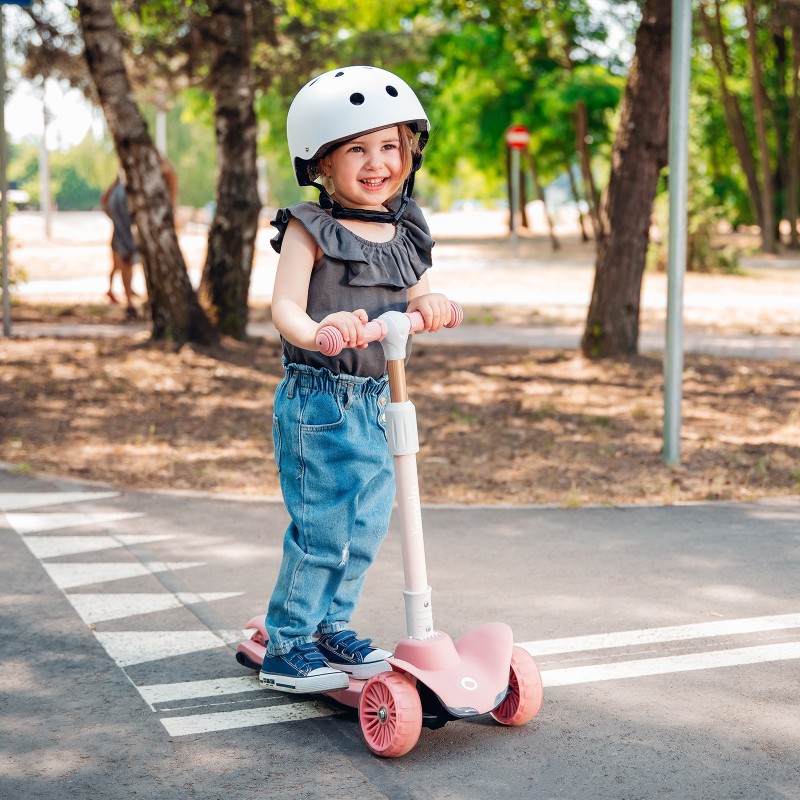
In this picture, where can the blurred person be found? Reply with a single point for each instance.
(123, 245)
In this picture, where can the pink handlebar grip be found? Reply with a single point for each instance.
(331, 342)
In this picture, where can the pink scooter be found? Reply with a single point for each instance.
(432, 680)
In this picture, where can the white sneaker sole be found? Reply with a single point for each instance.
(362, 672)
(314, 684)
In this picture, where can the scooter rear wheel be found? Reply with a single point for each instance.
(525, 691)
(390, 714)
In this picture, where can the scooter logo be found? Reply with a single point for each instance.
(470, 684)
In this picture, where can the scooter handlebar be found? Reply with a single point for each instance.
(330, 341)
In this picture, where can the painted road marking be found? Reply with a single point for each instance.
(644, 667)
(192, 690)
(56, 546)
(245, 718)
(134, 647)
(137, 647)
(39, 522)
(674, 633)
(69, 576)
(572, 676)
(104, 607)
(16, 501)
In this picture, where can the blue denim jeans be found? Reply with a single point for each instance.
(337, 479)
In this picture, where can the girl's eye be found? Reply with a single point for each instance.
(357, 149)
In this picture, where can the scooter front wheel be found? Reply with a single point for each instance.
(525, 691)
(390, 715)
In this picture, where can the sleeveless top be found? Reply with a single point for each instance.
(356, 273)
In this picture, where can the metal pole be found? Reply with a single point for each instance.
(676, 267)
(4, 181)
(44, 172)
(514, 194)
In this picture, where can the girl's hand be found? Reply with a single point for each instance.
(350, 324)
(434, 308)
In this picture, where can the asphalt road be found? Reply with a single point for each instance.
(668, 638)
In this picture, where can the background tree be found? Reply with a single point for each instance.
(640, 152)
(232, 236)
(176, 314)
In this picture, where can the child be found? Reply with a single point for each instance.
(364, 249)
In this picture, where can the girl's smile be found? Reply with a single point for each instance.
(367, 171)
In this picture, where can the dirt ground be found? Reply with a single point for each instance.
(497, 425)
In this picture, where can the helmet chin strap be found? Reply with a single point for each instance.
(339, 211)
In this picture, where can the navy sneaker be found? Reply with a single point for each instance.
(345, 651)
(302, 670)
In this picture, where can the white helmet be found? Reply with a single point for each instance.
(343, 103)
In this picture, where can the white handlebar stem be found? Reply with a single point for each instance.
(398, 329)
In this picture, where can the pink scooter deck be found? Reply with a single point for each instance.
(469, 676)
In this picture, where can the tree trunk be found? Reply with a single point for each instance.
(225, 284)
(524, 222)
(581, 143)
(639, 153)
(794, 142)
(584, 156)
(176, 314)
(576, 197)
(733, 112)
(537, 186)
(768, 239)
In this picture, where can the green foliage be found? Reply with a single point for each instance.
(191, 145)
(77, 177)
(23, 168)
(478, 66)
(71, 190)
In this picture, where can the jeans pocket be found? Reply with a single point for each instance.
(322, 412)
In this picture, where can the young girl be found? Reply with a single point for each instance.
(355, 134)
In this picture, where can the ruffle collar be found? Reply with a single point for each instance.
(398, 263)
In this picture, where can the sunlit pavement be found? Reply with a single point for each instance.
(668, 639)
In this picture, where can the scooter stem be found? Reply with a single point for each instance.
(401, 424)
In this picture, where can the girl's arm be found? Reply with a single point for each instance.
(290, 295)
(435, 308)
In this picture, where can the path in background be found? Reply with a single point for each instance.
(474, 263)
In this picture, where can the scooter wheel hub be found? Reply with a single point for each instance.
(390, 714)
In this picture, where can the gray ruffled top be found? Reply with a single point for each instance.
(356, 273)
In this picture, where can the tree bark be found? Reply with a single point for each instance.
(576, 197)
(733, 112)
(537, 186)
(639, 153)
(175, 312)
(225, 284)
(585, 158)
(768, 239)
(794, 141)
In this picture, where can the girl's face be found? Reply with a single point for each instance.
(367, 170)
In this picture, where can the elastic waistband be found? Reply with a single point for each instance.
(319, 379)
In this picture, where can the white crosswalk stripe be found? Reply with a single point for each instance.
(56, 546)
(72, 575)
(25, 523)
(129, 648)
(104, 607)
(16, 501)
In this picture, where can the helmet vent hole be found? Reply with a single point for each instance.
(338, 75)
(391, 91)
(356, 98)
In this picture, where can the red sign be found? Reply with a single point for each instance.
(517, 137)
